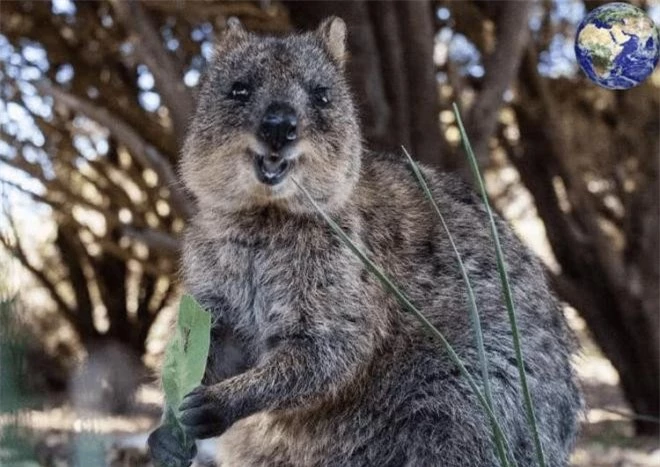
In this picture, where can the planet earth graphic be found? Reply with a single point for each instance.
(617, 45)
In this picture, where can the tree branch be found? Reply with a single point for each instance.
(53, 187)
(385, 20)
(34, 196)
(593, 277)
(18, 252)
(167, 74)
(425, 138)
(258, 16)
(501, 67)
(147, 285)
(71, 255)
(143, 152)
(156, 240)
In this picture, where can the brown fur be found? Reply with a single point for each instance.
(313, 363)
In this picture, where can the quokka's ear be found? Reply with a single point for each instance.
(233, 34)
(332, 32)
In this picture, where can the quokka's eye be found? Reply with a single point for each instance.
(320, 96)
(240, 91)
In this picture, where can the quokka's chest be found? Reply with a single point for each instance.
(259, 279)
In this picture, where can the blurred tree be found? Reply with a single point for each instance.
(589, 158)
(108, 88)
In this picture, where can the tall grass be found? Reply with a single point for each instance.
(389, 285)
(485, 399)
(474, 312)
(508, 296)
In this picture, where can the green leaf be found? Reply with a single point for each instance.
(185, 362)
(187, 351)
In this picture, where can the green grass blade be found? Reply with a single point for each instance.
(508, 297)
(407, 304)
(474, 313)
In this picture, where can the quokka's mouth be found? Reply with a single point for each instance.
(271, 169)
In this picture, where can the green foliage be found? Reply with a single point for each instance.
(11, 359)
(185, 362)
(89, 449)
(15, 446)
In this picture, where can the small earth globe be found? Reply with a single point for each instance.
(617, 46)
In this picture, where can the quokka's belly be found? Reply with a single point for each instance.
(285, 439)
(255, 441)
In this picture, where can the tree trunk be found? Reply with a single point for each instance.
(72, 255)
(501, 68)
(616, 296)
(391, 71)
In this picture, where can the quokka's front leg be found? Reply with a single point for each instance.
(229, 355)
(299, 368)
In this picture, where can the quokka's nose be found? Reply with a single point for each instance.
(279, 125)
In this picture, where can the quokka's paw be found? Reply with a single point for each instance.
(167, 449)
(204, 413)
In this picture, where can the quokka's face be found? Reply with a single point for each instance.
(272, 110)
